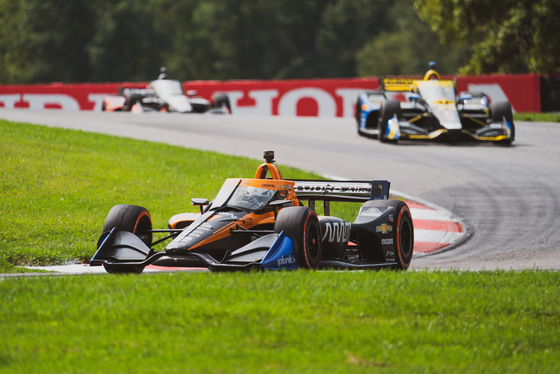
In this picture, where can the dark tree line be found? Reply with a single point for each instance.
(128, 40)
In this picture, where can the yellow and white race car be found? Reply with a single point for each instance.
(430, 109)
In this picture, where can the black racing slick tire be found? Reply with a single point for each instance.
(389, 109)
(131, 100)
(501, 110)
(403, 236)
(134, 219)
(358, 114)
(220, 101)
(302, 225)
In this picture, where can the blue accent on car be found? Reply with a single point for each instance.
(413, 97)
(367, 107)
(364, 102)
(363, 118)
(392, 130)
(384, 194)
(509, 128)
(281, 255)
(104, 240)
(387, 130)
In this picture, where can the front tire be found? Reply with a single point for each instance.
(220, 101)
(500, 111)
(134, 219)
(302, 225)
(131, 100)
(403, 236)
(358, 115)
(388, 110)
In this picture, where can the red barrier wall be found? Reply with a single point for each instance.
(314, 97)
(522, 91)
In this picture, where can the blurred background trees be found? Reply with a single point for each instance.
(506, 36)
(128, 40)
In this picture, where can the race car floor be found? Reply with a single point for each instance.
(435, 229)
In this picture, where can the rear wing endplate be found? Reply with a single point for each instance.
(341, 191)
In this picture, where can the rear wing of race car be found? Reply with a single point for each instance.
(399, 84)
(341, 191)
(127, 91)
(396, 84)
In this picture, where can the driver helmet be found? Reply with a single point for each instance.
(251, 192)
(431, 74)
(163, 73)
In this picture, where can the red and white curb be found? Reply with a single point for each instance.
(435, 228)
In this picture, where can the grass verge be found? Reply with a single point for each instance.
(283, 322)
(57, 187)
(537, 117)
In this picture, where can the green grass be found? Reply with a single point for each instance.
(57, 187)
(283, 322)
(537, 117)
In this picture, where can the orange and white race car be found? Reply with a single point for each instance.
(262, 223)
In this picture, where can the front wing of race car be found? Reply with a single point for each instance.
(126, 251)
(398, 129)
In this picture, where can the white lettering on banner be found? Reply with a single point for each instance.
(325, 102)
(263, 100)
(39, 101)
(311, 99)
(349, 97)
(288, 102)
(494, 91)
(97, 99)
(9, 101)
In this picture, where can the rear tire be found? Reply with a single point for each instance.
(134, 219)
(302, 225)
(388, 110)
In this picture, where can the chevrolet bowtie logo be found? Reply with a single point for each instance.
(384, 228)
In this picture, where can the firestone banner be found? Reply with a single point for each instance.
(313, 97)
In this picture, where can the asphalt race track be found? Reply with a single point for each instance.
(509, 197)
